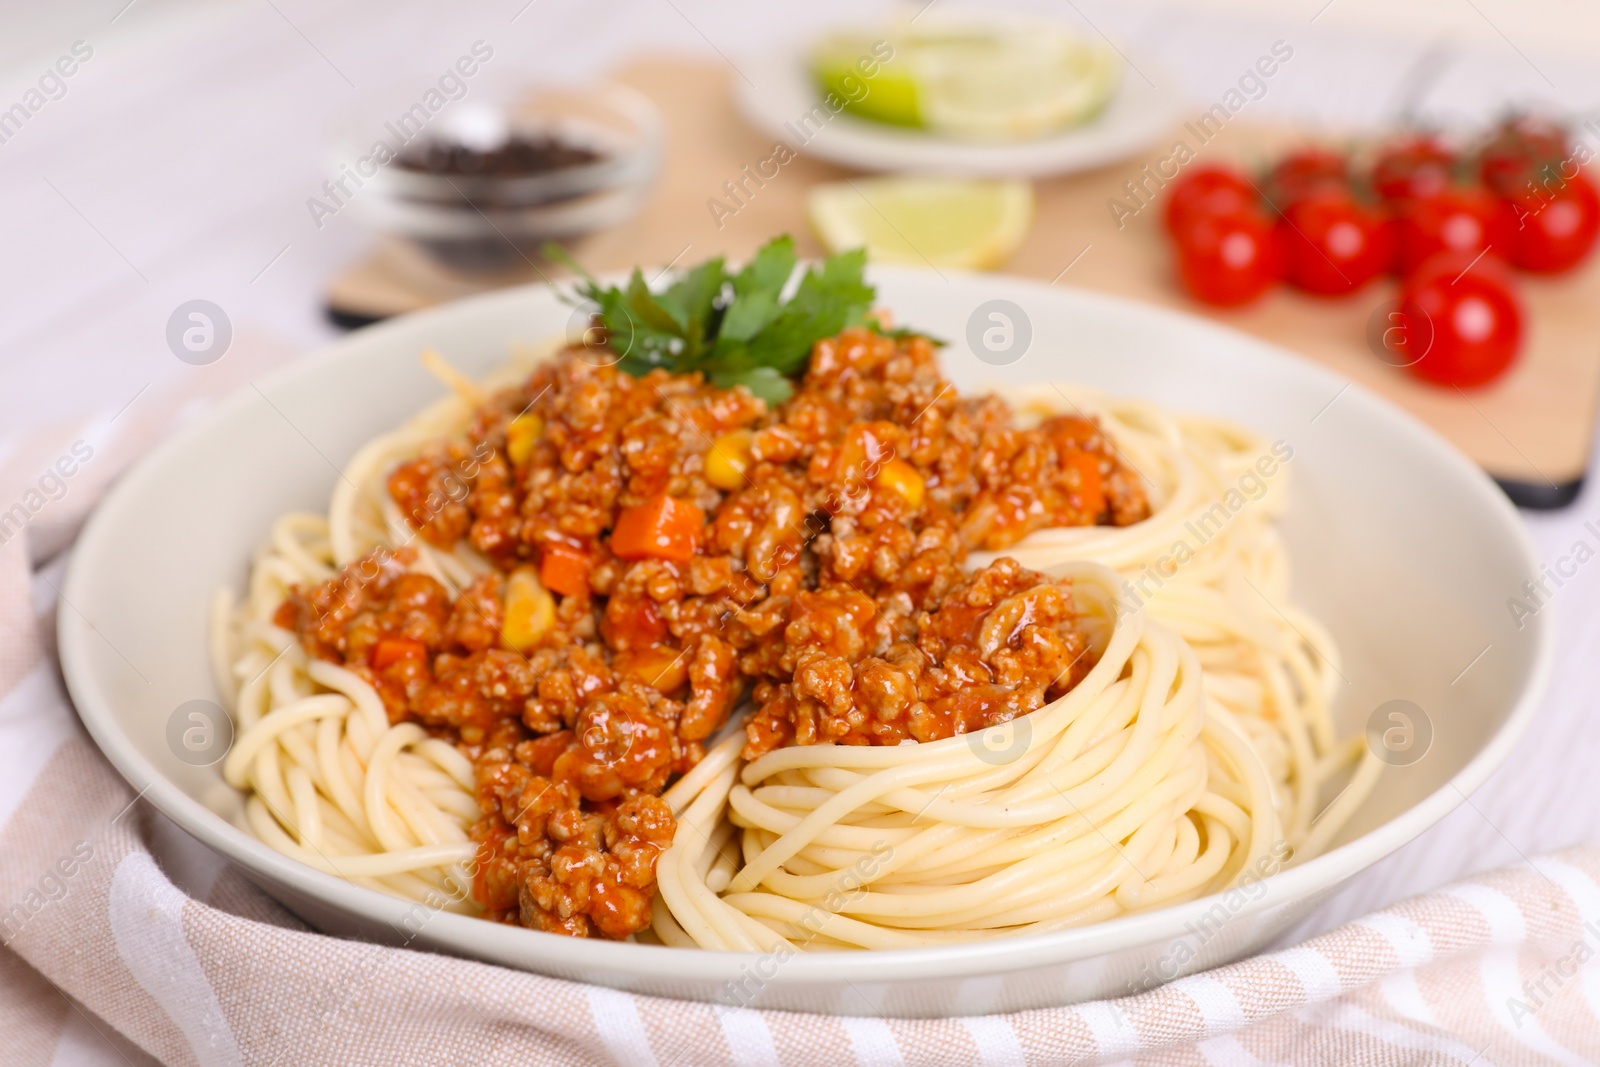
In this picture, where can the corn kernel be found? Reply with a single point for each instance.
(522, 433)
(530, 610)
(902, 478)
(729, 459)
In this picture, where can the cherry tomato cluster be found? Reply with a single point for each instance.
(1448, 222)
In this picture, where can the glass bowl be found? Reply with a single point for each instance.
(476, 188)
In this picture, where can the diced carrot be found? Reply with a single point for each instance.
(391, 650)
(663, 527)
(1091, 494)
(564, 569)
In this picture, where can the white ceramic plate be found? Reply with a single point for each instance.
(1144, 107)
(1399, 544)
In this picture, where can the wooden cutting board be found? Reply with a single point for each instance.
(1531, 430)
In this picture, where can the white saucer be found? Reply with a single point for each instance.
(1145, 105)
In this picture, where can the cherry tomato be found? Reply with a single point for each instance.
(1553, 228)
(1228, 260)
(1519, 149)
(1334, 244)
(1305, 171)
(1457, 218)
(1412, 168)
(1459, 321)
(1210, 191)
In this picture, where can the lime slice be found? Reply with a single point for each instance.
(888, 94)
(1008, 88)
(1013, 82)
(945, 222)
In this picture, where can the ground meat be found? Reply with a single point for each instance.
(477, 616)
(476, 690)
(341, 618)
(551, 862)
(625, 744)
(603, 873)
(432, 490)
(714, 685)
(822, 575)
(999, 644)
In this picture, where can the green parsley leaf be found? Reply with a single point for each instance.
(688, 301)
(826, 302)
(736, 329)
(756, 292)
(764, 382)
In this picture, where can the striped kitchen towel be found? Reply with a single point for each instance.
(106, 959)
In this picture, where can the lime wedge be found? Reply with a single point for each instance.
(888, 94)
(1013, 82)
(945, 222)
(1014, 88)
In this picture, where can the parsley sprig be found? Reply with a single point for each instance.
(737, 329)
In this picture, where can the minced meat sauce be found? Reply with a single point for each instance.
(664, 549)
